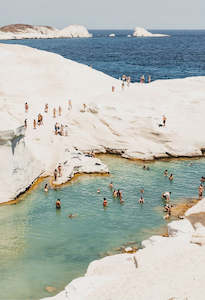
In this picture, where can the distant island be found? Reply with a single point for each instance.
(141, 32)
(24, 31)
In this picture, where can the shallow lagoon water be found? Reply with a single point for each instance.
(41, 246)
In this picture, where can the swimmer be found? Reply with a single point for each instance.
(72, 216)
(202, 179)
(114, 194)
(111, 185)
(141, 200)
(166, 196)
(119, 194)
(166, 173)
(144, 167)
(142, 191)
(46, 188)
(105, 203)
(171, 177)
(98, 191)
(58, 204)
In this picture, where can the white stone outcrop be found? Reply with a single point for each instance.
(21, 31)
(125, 122)
(142, 32)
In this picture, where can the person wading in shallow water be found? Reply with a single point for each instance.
(105, 203)
(58, 204)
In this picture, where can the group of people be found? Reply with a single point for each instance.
(59, 129)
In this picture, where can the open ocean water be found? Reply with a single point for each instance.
(40, 246)
(178, 56)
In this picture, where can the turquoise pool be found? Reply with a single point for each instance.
(41, 247)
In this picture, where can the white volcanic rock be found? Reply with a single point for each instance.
(22, 31)
(124, 122)
(179, 228)
(75, 31)
(198, 208)
(141, 32)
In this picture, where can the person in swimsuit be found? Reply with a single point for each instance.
(166, 173)
(46, 188)
(166, 196)
(55, 174)
(171, 177)
(26, 107)
(105, 203)
(164, 119)
(34, 124)
(200, 190)
(54, 112)
(58, 204)
(141, 200)
(111, 185)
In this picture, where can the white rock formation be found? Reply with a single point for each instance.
(112, 35)
(142, 32)
(22, 31)
(124, 122)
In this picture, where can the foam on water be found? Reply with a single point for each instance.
(41, 247)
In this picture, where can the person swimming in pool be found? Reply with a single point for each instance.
(171, 177)
(114, 194)
(105, 203)
(111, 185)
(58, 204)
(141, 200)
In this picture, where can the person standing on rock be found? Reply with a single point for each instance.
(59, 111)
(69, 104)
(25, 123)
(200, 190)
(55, 174)
(113, 89)
(164, 119)
(149, 79)
(54, 112)
(46, 108)
(26, 107)
(34, 124)
(59, 170)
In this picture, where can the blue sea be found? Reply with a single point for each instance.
(42, 247)
(178, 56)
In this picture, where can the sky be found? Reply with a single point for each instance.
(106, 14)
